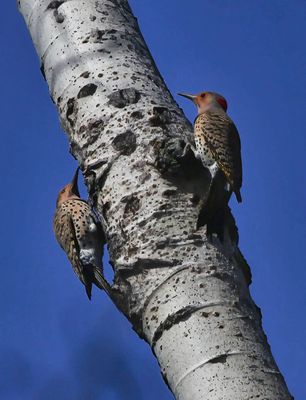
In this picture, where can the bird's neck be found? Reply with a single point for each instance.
(66, 198)
(209, 107)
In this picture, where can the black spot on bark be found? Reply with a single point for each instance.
(132, 204)
(59, 18)
(85, 74)
(104, 51)
(125, 143)
(169, 193)
(96, 124)
(70, 109)
(123, 97)
(100, 36)
(87, 90)
(168, 153)
(195, 199)
(55, 4)
(219, 359)
(97, 35)
(92, 130)
(179, 316)
(137, 114)
(152, 263)
(116, 242)
(161, 116)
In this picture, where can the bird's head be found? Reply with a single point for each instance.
(70, 191)
(206, 100)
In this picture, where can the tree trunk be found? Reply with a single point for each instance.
(187, 296)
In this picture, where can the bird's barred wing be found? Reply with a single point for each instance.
(64, 230)
(222, 139)
(235, 146)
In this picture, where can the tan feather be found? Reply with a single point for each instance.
(222, 139)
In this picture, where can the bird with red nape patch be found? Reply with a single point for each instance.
(217, 145)
(217, 140)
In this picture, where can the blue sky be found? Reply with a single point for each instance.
(54, 344)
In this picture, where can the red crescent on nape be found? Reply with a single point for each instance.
(222, 103)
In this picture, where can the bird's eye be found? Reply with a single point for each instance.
(203, 95)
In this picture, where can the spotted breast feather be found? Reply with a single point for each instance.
(223, 144)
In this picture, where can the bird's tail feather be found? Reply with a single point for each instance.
(100, 281)
(215, 224)
(88, 288)
(238, 196)
(213, 212)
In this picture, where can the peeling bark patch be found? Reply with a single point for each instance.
(125, 143)
(87, 90)
(70, 109)
(123, 97)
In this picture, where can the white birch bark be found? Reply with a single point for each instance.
(187, 297)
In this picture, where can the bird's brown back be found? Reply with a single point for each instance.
(70, 222)
(221, 137)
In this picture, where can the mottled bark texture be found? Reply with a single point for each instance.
(186, 296)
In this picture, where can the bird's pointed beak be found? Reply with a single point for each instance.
(191, 97)
(74, 182)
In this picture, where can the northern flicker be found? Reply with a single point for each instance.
(217, 140)
(80, 236)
